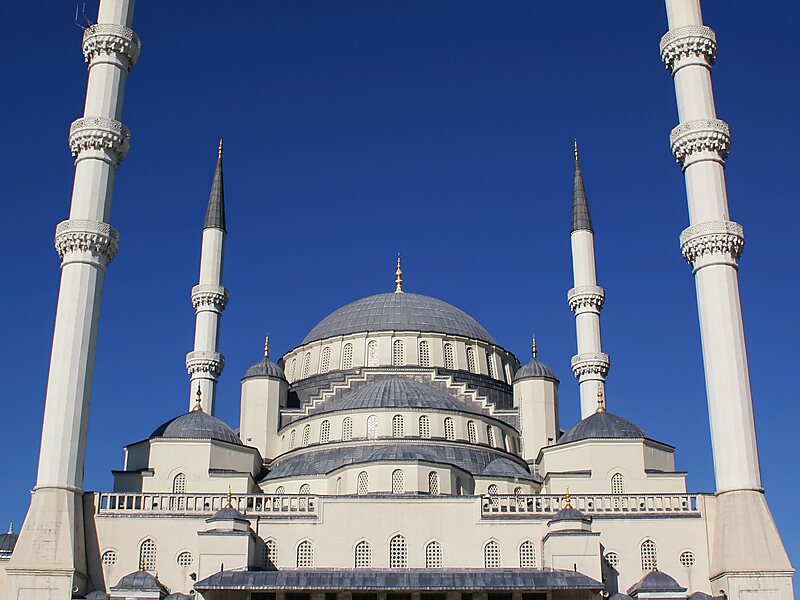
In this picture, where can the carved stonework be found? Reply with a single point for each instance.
(692, 41)
(209, 295)
(715, 237)
(202, 361)
(78, 235)
(586, 297)
(702, 135)
(107, 39)
(590, 363)
(99, 133)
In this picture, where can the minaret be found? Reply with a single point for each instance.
(590, 364)
(49, 559)
(209, 298)
(747, 553)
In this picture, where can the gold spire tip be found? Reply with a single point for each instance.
(398, 277)
(198, 403)
(601, 403)
(533, 347)
(266, 347)
(219, 151)
(141, 563)
(575, 146)
(230, 498)
(567, 499)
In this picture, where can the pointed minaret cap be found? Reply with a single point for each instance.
(398, 277)
(215, 215)
(580, 207)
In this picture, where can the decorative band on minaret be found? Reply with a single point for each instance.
(204, 364)
(747, 553)
(586, 299)
(50, 557)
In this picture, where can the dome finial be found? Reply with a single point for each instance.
(398, 277)
(601, 402)
(230, 498)
(567, 499)
(266, 347)
(655, 563)
(141, 562)
(11, 528)
(533, 347)
(198, 403)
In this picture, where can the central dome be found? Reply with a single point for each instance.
(398, 312)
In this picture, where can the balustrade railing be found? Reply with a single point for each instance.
(108, 503)
(590, 504)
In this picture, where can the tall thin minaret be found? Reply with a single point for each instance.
(209, 298)
(49, 560)
(590, 364)
(747, 552)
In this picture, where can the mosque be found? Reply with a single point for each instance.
(399, 451)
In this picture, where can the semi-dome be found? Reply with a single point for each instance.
(396, 392)
(197, 425)
(602, 425)
(140, 581)
(656, 582)
(398, 312)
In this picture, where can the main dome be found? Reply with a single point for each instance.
(398, 312)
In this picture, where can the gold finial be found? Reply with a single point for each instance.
(141, 562)
(567, 499)
(219, 151)
(266, 347)
(398, 277)
(655, 563)
(230, 498)
(575, 146)
(198, 403)
(533, 347)
(601, 403)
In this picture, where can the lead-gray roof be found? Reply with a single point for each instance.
(7, 542)
(265, 368)
(581, 220)
(570, 514)
(178, 596)
(620, 597)
(655, 581)
(97, 595)
(405, 580)
(602, 425)
(474, 461)
(197, 425)
(228, 513)
(396, 392)
(398, 312)
(215, 214)
(140, 581)
(535, 368)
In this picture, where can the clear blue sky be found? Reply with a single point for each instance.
(442, 129)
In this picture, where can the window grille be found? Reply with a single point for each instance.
(147, 555)
(424, 354)
(306, 435)
(471, 366)
(347, 429)
(490, 364)
(493, 491)
(184, 560)
(372, 427)
(687, 558)
(325, 363)
(397, 353)
(305, 554)
(305, 489)
(363, 558)
(347, 356)
(363, 483)
(338, 486)
(472, 433)
(179, 484)
(325, 432)
(109, 558)
(433, 555)
(527, 555)
(398, 426)
(449, 429)
(612, 559)
(306, 365)
(398, 553)
(649, 555)
(291, 439)
(424, 426)
(398, 482)
(372, 354)
(294, 368)
(491, 555)
(270, 556)
(280, 490)
(517, 491)
(449, 362)
(618, 484)
(433, 483)
(490, 435)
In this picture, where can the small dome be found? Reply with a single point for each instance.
(97, 595)
(656, 581)
(139, 581)
(570, 514)
(602, 425)
(534, 369)
(197, 425)
(700, 596)
(398, 312)
(265, 368)
(227, 513)
(396, 392)
(7, 542)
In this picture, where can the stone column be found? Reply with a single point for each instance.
(747, 553)
(49, 560)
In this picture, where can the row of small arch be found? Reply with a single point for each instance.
(648, 553)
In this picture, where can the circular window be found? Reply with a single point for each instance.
(184, 559)
(688, 558)
(109, 558)
(612, 559)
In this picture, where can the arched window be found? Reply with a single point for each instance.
(372, 427)
(347, 356)
(306, 435)
(492, 490)
(398, 553)
(363, 557)
(179, 484)
(292, 439)
(527, 555)
(398, 482)
(433, 483)
(398, 426)
(424, 426)
(490, 435)
(459, 487)
(347, 429)
(687, 558)
(147, 555)
(506, 443)
(617, 483)
(472, 432)
(294, 368)
(109, 558)
(305, 554)
(338, 486)
(397, 353)
(612, 559)
(491, 555)
(433, 555)
(517, 491)
(306, 364)
(270, 556)
(325, 432)
(184, 560)
(280, 490)
(449, 429)
(424, 354)
(372, 354)
(305, 489)
(471, 366)
(363, 483)
(649, 555)
(449, 361)
(325, 361)
(490, 364)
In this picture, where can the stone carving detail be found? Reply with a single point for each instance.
(590, 363)
(702, 135)
(209, 295)
(99, 133)
(713, 237)
(686, 42)
(79, 235)
(587, 296)
(203, 361)
(110, 39)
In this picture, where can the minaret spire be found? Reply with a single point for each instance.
(398, 277)
(590, 365)
(209, 298)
